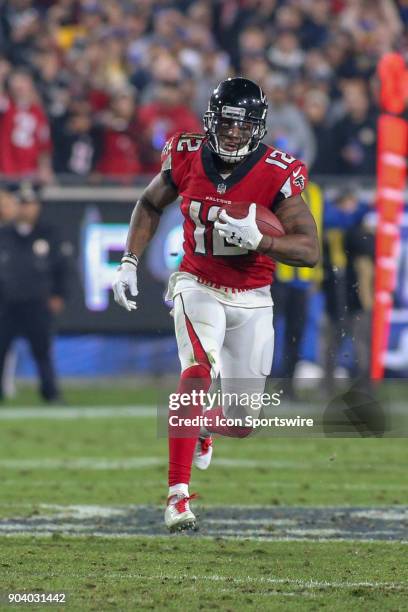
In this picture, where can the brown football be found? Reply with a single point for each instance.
(268, 223)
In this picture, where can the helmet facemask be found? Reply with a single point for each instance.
(231, 135)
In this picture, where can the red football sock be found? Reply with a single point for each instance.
(182, 440)
(231, 431)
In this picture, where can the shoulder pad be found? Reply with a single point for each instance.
(176, 155)
(178, 145)
(287, 172)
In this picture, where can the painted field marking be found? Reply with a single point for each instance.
(132, 411)
(263, 523)
(81, 463)
(279, 593)
(77, 412)
(308, 584)
(311, 585)
(259, 580)
(383, 514)
(130, 463)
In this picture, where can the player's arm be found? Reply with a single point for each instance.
(300, 245)
(143, 224)
(146, 214)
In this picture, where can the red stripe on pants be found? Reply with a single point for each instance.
(182, 440)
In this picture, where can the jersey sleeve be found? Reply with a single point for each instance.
(295, 183)
(177, 156)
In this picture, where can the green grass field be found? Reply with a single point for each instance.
(49, 464)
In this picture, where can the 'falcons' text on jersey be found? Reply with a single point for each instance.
(265, 177)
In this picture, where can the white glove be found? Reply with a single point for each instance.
(125, 278)
(241, 232)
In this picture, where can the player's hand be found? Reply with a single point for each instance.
(125, 279)
(241, 232)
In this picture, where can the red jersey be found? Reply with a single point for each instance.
(120, 155)
(24, 136)
(265, 177)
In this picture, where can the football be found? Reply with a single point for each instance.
(267, 222)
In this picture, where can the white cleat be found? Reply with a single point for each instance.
(203, 453)
(178, 516)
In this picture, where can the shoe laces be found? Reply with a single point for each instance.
(181, 504)
(206, 443)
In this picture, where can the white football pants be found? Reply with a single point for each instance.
(238, 341)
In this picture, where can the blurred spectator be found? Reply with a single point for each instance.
(253, 43)
(214, 67)
(25, 144)
(340, 284)
(256, 68)
(354, 135)
(168, 27)
(90, 49)
(316, 110)
(165, 115)
(317, 68)
(373, 25)
(403, 10)
(53, 83)
(289, 18)
(286, 54)
(229, 17)
(316, 25)
(291, 299)
(112, 67)
(288, 128)
(138, 49)
(76, 141)
(21, 28)
(34, 267)
(340, 52)
(8, 213)
(359, 244)
(120, 137)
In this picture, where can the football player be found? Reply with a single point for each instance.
(221, 293)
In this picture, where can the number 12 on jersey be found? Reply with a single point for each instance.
(220, 247)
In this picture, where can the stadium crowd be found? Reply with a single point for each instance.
(92, 89)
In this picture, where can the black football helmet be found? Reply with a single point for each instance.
(235, 119)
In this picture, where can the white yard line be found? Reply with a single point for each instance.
(134, 410)
(130, 463)
(257, 580)
(308, 584)
(384, 514)
(68, 413)
(81, 463)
